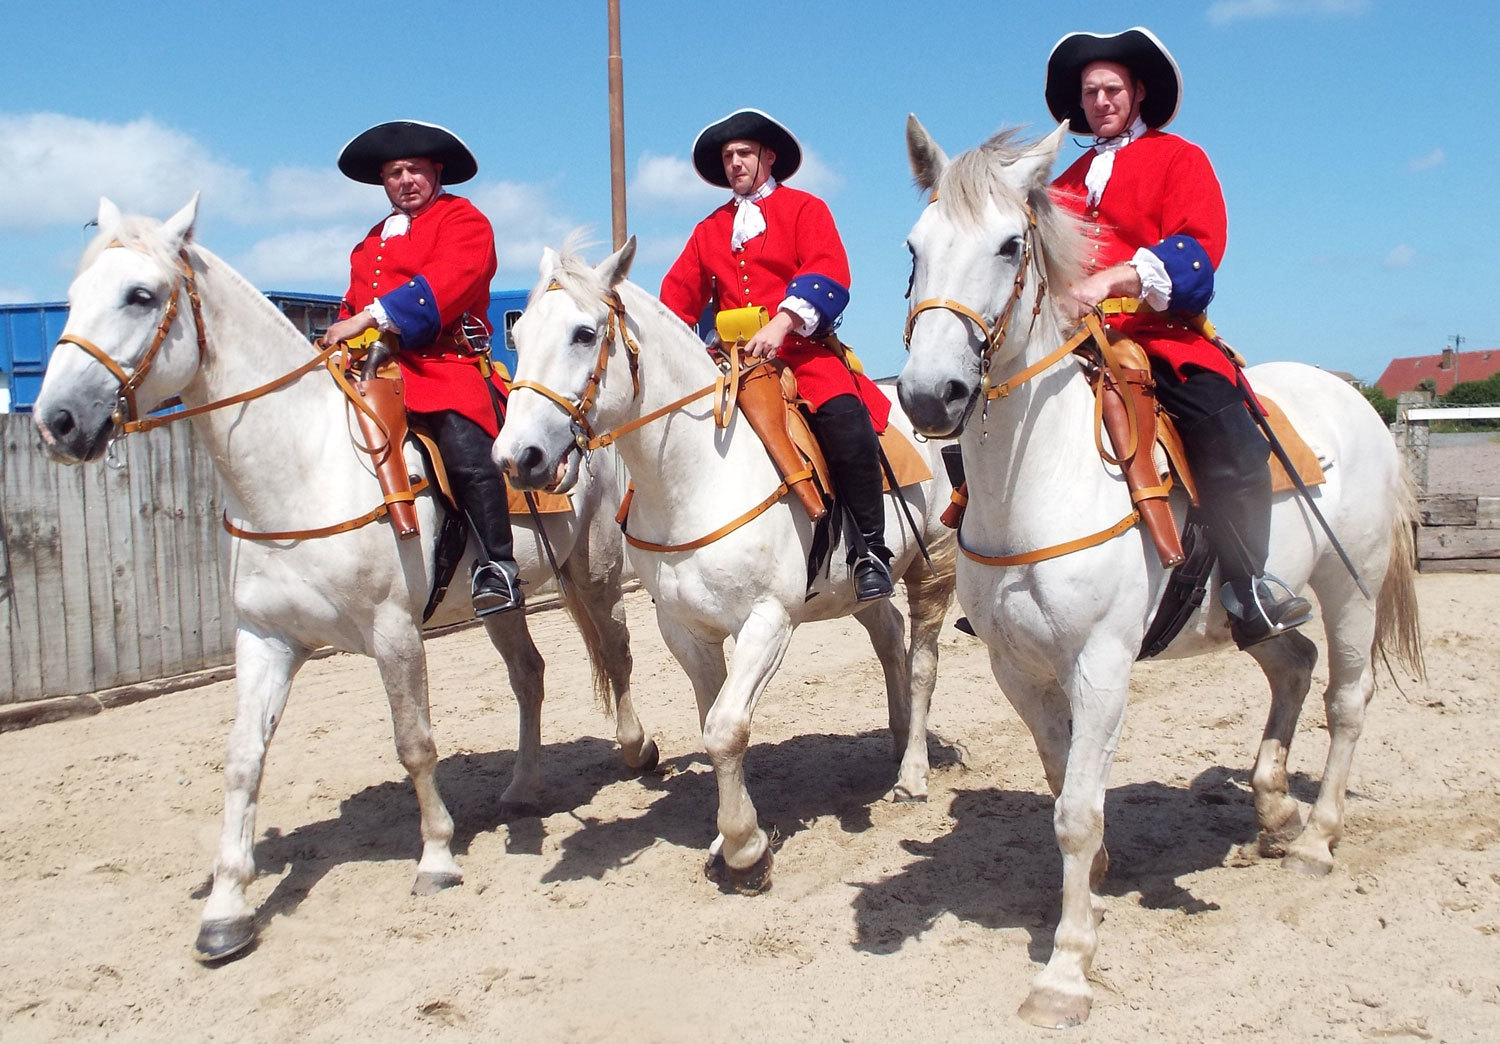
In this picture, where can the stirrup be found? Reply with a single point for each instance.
(1263, 618)
(872, 579)
(495, 587)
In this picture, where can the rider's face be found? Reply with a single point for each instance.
(747, 165)
(411, 183)
(1111, 98)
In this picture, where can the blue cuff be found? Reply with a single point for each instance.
(828, 298)
(413, 309)
(1190, 270)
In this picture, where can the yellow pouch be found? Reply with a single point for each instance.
(737, 325)
(357, 345)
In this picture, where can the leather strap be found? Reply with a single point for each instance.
(149, 423)
(1069, 346)
(1056, 550)
(723, 531)
(322, 531)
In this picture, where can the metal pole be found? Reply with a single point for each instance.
(616, 125)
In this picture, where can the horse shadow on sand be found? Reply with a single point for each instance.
(794, 783)
(381, 823)
(999, 867)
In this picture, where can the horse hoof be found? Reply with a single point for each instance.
(1307, 866)
(1052, 1010)
(433, 883)
(752, 880)
(510, 810)
(902, 796)
(222, 939)
(650, 758)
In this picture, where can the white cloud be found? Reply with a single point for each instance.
(294, 194)
(10, 294)
(302, 258)
(58, 166)
(817, 177)
(1435, 158)
(1401, 257)
(524, 221)
(671, 183)
(1223, 12)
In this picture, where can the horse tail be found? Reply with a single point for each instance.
(1397, 630)
(928, 594)
(573, 599)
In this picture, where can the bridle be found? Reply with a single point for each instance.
(725, 388)
(126, 416)
(126, 413)
(994, 337)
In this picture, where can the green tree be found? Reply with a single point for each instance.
(1383, 403)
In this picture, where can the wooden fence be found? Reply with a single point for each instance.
(1457, 533)
(108, 576)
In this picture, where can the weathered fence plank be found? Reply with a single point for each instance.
(109, 577)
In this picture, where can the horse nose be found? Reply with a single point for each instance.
(60, 423)
(956, 391)
(529, 459)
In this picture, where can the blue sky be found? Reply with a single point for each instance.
(1359, 181)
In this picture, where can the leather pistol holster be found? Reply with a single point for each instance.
(1147, 489)
(764, 407)
(386, 397)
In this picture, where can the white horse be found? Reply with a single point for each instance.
(288, 461)
(1064, 632)
(578, 339)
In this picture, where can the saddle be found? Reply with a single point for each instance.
(769, 400)
(383, 421)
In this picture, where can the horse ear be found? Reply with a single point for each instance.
(927, 160)
(548, 263)
(109, 216)
(1033, 169)
(178, 228)
(616, 266)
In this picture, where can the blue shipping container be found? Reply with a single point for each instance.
(28, 333)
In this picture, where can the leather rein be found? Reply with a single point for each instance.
(126, 413)
(994, 336)
(724, 389)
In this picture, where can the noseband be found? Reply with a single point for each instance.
(126, 414)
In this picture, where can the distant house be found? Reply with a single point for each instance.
(1407, 373)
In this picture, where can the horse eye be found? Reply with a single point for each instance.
(139, 295)
(583, 335)
(1010, 248)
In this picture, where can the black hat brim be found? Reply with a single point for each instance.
(744, 125)
(1138, 50)
(363, 157)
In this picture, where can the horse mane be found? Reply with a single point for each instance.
(976, 177)
(579, 280)
(135, 231)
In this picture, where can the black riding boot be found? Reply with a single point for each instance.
(844, 430)
(480, 490)
(1229, 459)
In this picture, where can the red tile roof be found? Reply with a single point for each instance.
(1406, 373)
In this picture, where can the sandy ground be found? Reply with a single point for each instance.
(886, 921)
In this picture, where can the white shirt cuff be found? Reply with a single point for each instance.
(382, 318)
(1156, 285)
(808, 317)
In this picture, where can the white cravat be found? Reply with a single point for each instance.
(398, 224)
(1103, 164)
(749, 222)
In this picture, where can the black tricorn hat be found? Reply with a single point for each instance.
(745, 125)
(363, 157)
(1138, 50)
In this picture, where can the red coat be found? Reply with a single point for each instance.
(428, 280)
(800, 239)
(1161, 186)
